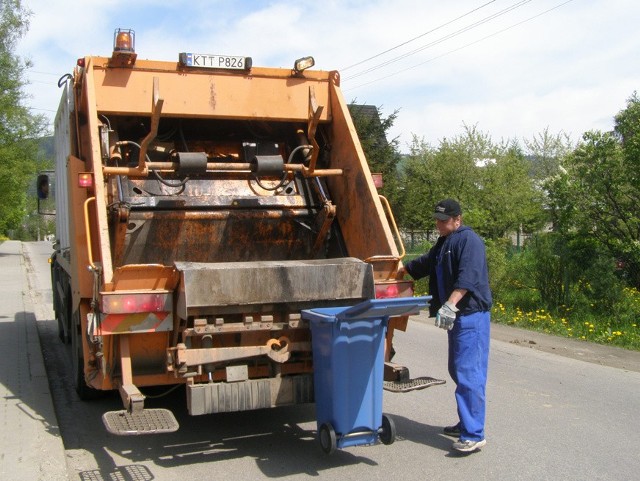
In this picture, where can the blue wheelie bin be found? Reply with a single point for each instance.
(348, 359)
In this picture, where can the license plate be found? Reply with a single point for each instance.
(224, 62)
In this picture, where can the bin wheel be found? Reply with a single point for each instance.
(388, 431)
(327, 438)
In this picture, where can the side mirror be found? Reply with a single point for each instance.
(43, 186)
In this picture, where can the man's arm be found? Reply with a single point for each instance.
(455, 296)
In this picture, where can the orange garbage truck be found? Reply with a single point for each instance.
(201, 205)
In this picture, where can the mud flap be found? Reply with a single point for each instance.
(146, 421)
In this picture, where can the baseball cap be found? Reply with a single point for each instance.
(446, 208)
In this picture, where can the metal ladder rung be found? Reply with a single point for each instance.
(412, 384)
(147, 421)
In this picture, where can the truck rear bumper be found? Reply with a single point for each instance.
(220, 397)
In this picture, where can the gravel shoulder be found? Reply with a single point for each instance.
(586, 351)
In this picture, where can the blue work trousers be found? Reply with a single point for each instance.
(468, 363)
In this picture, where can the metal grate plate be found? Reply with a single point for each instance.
(411, 384)
(147, 421)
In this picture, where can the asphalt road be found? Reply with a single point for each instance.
(556, 410)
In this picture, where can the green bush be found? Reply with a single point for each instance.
(567, 285)
(497, 261)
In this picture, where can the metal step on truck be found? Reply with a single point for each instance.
(201, 204)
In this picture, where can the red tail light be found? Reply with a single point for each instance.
(388, 290)
(137, 302)
(85, 179)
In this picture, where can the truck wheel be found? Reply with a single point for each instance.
(388, 430)
(85, 392)
(57, 302)
(327, 438)
(61, 335)
(62, 316)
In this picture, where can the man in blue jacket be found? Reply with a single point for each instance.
(461, 303)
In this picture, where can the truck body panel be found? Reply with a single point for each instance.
(199, 211)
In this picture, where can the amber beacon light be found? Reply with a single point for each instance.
(124, 48)
(124, 40)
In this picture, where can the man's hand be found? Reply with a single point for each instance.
(446, 316)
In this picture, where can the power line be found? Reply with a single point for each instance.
(416, 38)
(462, 47)
(443, 39)
(44, 110)
(41, 82)
(43, 73)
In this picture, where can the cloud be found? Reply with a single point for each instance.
(513, 71)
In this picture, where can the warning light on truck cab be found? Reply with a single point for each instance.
(124, 48)
(124, 40)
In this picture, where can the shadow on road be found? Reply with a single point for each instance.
(23, 381)
(282, 441)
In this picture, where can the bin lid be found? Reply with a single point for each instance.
(375, 308)
(369, 309)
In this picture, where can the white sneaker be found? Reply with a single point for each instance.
(468, 446)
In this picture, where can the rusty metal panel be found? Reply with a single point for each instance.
(163, 237)
(205, 288)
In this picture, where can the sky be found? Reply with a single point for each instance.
(511, 68)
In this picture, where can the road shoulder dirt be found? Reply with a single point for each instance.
(573, 348)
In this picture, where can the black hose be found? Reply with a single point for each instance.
(63, 80)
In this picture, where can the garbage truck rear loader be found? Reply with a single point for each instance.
(202, 204)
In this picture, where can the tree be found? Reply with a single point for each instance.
(19, 129)
(490, 180)
(545, 152)
(600, 192)
(507, 199)
(381, 153)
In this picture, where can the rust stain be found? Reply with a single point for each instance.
(212, 94)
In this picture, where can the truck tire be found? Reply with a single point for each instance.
(57, 302)
(60, 282)
(61, 335)
(84, 391)
(63, 315)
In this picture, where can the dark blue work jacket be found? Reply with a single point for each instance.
(463, 266)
